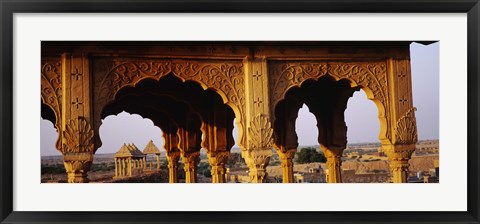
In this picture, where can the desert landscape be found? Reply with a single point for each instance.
(361, 163)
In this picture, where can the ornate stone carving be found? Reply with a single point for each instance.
(257, 161)
(77, 166)
(287, 157)
(399, 162)
(406, 128)
(370, 75)
(51, 90)
(112, 74)
(217, 161)
(260, 133)
(78, 137)
(285, 75)
(77, 170)
(218, 158)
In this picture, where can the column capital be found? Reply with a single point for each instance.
(287, 157)
(172, 158)
(399, 155)
(330, 151)
(257, 161)
(217, 161)
(399, 152)
(218, 158)
(77, 166)
(190, 160)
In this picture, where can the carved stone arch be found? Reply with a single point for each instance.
(225, 77)
(370, 76)
(51, 91)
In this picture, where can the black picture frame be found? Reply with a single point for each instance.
(9, 7)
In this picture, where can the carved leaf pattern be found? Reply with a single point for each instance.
(260, 132)
(370, 75)
(78, 137)
(51, 89)
(406, 128)
(289, 74)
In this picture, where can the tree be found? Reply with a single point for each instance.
(310, 155)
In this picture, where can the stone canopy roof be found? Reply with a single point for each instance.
(151, 148)
(129, 150)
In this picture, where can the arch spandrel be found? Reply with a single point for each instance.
(51, 90)
(225, 77)
(371, 76)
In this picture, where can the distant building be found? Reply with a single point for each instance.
(129, 160)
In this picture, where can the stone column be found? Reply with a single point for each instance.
(130, 167)
(157, 157)
(258, 144)
(334, 163)
(172, 158)
(402, 131)
(116, 167)
(77, 134)
(190, 161)
(144, 163)
(287, 164)
(120, 166)
(217, 161)
(124, 166)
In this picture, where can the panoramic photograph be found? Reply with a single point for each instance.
(239, 112)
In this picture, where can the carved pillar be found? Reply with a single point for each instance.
(77, 133)
(399, 155)
(116, 167)
(286, 140)
(287, 164)
(77, 165)
(334, 163)
(123, 167)
(217, 128)
(130, 167)
(120, 161)
(259, 139)
(172, 158)
(403, 122)
(190, 161)
(217, 162)
(144, 163)
(173, 154)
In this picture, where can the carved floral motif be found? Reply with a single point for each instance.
(406, 128)
(260, 132)
(286, 75)
(51, 89)
(78, 137)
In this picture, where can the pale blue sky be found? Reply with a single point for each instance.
(360, 116)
